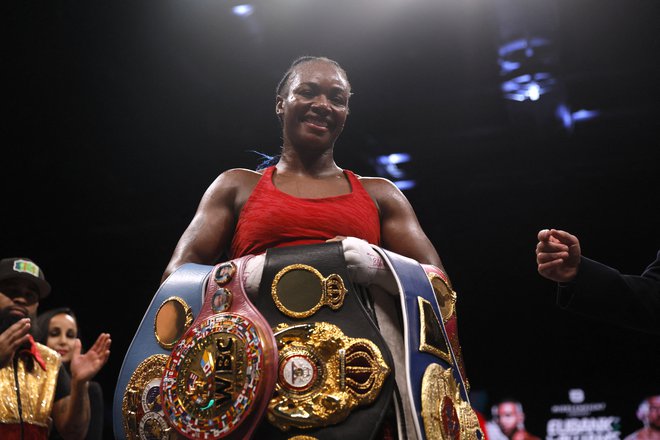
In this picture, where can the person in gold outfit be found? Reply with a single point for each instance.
(35, 390)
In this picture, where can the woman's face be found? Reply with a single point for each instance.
(62, 331)
(315, 105)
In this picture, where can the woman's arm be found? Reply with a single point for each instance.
(212, 228)
(400, 229)
(71, 414)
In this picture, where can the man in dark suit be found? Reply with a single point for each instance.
(591, 288)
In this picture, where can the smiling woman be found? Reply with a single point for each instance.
(242, 206)
(58, 329)
(314, 247)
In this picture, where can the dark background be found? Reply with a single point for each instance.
(118, 115)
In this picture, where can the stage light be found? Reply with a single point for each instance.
(405, 184)
(564, 115)
(568, 118)
(513, 54)
(388, 166)
(585, 115)
(528, 86)
(533, 92)
(525, 65)
(390, 162)
(243, 10)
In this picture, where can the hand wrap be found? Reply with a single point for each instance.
(365, 266)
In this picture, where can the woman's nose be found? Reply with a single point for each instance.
(321, 103)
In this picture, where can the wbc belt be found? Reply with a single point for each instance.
(216, 381)
(436, 384)
(334, 377)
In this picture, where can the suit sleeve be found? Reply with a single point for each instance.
(604, 293)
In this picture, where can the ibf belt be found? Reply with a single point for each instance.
(436, 385)
(334, 377)
(216, 381)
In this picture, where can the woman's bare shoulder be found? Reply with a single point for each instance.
(237, 177)
(242, 173)
(232, 183)
(377, 185)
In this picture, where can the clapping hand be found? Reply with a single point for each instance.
(85, 366)
(16, 335)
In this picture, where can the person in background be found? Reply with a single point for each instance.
(649, 414)
(36, 393)
(509, 422)
(58, 329)
(591, 288)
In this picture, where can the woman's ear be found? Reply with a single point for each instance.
(279, 105)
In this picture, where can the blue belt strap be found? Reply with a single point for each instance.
(413, 283)
(188, 282)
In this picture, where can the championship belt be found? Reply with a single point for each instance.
(137, 407)
(207, 379)
(436, 383)
(334, 375)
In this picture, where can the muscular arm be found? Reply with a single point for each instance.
(400, 229)
(212, 227)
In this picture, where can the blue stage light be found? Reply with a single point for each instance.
(585, 115)
(528, 86)
(405, 184)
(525, 66)
(243, 10)
(387, 166)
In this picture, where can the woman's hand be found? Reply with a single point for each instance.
(85, 366)
(365, 265)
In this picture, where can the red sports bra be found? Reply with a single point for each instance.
(271, 218)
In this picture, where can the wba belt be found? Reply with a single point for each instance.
(334, 377)
(216, 380)
(436, 386)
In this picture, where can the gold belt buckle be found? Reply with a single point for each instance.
(299, 290)
(445, 414)
(142, 411)
(323, 375)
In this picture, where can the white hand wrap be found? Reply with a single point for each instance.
(365, 266)
(252, 272)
